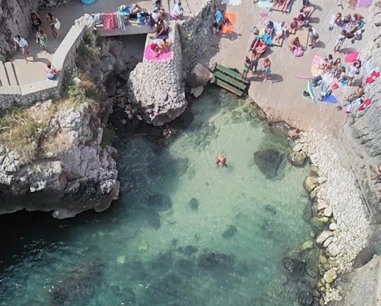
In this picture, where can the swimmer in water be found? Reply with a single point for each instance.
(220, 159)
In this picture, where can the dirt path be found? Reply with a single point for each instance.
(282, 97)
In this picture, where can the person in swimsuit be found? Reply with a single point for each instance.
(52, 22)
(42, 39)
(266, 69)
(51, 72)
(254, 61)
(246, 68)
(21, 43)
(340, 40)
(294, 44)
(314, 37)
(220, 159)
(261, 48)
(293, 26)
(36, 22)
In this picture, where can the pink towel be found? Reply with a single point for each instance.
(364, 3)
(148, 54)
(110, 21)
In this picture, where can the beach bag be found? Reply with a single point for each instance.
(57, 24)
(298, 52)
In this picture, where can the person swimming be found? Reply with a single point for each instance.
(220, 159)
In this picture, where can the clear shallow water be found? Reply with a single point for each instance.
(139, 254)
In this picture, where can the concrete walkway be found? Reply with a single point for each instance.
(34, 71)
(282, 96)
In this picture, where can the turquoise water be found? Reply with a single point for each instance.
(165, 241)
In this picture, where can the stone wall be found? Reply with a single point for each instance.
(64, 56)
(156, 87)
(195, 33)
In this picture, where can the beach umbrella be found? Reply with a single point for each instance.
(352, 56)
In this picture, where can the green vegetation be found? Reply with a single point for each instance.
(20, 132)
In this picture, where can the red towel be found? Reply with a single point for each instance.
(366, 103)
(110, 21)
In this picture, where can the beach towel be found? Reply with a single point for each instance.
(265, 37)
(366, 103)
(265, 4)
(316, 62)
(352, 56)
(148, 55)
(228, 27)
(330, 99)
(364, 3)
(278, 7)
(303, 37)
(110, 21)
(232, 2)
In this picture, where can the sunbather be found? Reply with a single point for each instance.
(286, 3)
(280, 31)
(293, 26)
(357, 94)
(160, 46)
(294, 44)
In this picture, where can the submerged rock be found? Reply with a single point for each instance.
(297, 158)
(305, 298)
(310, 183)
(271, 210)
(194, 204)
(294, 267)
(230, 232)
(153, 219)
(190, 250)
(212, 260)
(78, 286)
(159, 201)
(268, 161)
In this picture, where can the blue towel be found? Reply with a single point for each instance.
(330, 99)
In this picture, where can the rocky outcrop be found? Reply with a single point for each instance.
(337, 202)
(73, 172)
(156, 87)
(363, 285)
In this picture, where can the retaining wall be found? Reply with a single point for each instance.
(64, 58)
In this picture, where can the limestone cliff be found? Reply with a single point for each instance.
(69, 171)
(15, 19)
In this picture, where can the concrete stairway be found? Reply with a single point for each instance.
(7, 75)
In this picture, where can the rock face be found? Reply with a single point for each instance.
(362, 286)
(297, 158)
(74, 174)
(199, 76)
(156, 87)
(310, 183)
(268, 161)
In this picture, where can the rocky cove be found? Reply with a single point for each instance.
(85, 177)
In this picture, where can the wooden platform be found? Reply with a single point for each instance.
(230, 80)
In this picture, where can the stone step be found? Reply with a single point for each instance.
(4, 82)
(11, 74)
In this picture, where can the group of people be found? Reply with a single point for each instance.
(350, 28)
(159, 19)
(41, 37)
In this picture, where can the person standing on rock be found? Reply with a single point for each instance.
(22, 44)
(220, 159)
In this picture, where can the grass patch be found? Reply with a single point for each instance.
(20, 132)
(79, 88)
